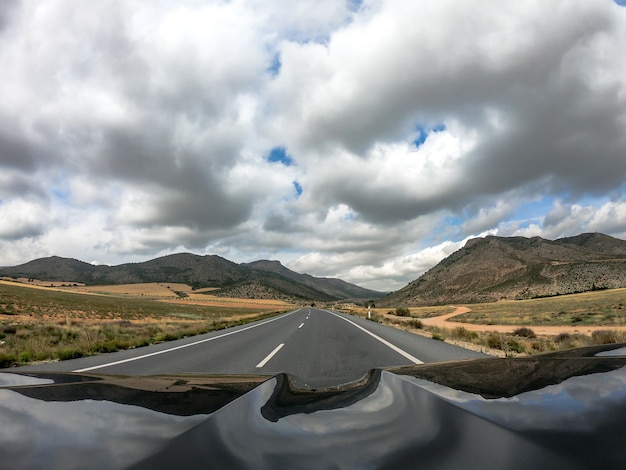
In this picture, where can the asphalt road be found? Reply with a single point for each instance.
(318, 347)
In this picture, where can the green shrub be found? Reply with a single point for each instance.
(415, 324)
(525, 332)
(563, 338)
(108, 347)
(604, 337)
(69, 353)
(7, 360)
(516, 346)
(24, 357)
(462, 333)
(438, 336)
(494, 341)
(403, 312)
(71, 335)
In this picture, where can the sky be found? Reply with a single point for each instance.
(364, 140)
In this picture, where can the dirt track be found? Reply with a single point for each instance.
(442, 321)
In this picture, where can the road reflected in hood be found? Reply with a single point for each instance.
(14, 380)
(581, 416)
(81, 434)
(576, 404)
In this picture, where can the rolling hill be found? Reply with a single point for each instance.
(495, 268)
(260, 279)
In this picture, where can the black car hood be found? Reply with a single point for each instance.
(558, 410)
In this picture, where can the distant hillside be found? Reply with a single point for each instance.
(494, 268)
(261, 279)
(332, 287)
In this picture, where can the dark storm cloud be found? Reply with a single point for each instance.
(574, 137)
(17, 153)
(18, 232)
(183, 189)
(7, 8)
(281, 224)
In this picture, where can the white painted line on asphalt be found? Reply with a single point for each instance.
(269, 356)
(384, 341)
(136, 358)
(301, 325)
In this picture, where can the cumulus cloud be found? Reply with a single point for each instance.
(21, 219)
(130, 130)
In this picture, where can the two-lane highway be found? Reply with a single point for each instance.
(319, 347)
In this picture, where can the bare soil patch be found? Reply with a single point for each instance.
(443, 321)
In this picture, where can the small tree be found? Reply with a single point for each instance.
(403, 312)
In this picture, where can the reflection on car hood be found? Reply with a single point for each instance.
(558, 410)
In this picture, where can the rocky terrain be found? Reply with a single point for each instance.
(495, 268)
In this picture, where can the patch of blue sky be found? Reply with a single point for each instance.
(349, 216)
(446, 229)
(533, 210)
(621, 3)
(423, 132)
(507, 227)
(280, 155)
(298, 187)
(452, 220)
(354, 5)
(589, 200)
(61, 195)
(313, 36)
(275, 66)
(584, 200)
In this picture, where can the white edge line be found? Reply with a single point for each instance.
(156, 353)
(384, 341)
(269, 356)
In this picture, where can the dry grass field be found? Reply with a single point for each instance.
(605, 308)
(519, 327)
(179, 294)
(61, 322)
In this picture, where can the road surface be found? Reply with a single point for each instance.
(318, 347)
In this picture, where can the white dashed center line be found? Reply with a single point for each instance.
(269, 356)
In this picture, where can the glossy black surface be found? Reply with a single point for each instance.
(563, 410)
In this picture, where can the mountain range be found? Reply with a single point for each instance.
(496, 268)
(259, 279)
(485, 270)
